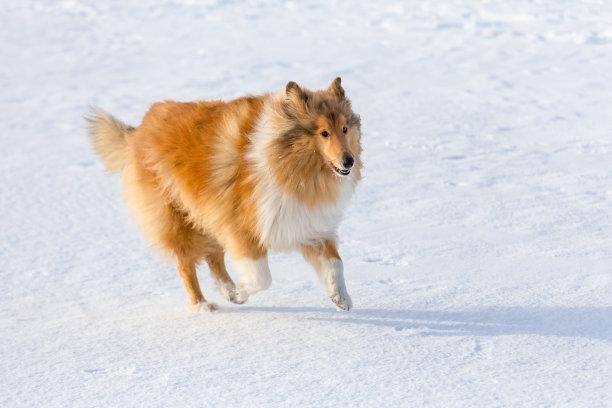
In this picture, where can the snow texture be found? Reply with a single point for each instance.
(477, 249)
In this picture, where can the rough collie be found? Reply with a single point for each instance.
(252, 175)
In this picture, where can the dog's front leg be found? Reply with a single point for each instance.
(254, 276)
(325, 259)
(251, 261)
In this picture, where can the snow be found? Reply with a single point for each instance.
(477, 249)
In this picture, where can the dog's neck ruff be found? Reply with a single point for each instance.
(284, 221)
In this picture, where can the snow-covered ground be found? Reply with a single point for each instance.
(478, 248)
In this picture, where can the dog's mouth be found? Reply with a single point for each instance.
(340, 172)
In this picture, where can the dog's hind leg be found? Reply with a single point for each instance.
(187, 270)
(225, 284)
(167, 228)
(187, 245)
(326, 261)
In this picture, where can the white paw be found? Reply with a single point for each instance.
(241, 295)
(228, 290)
(204, 306)
(342, 302)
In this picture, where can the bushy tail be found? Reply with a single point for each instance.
(108, 139)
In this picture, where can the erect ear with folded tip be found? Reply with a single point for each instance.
(336, 87)
(296, 93)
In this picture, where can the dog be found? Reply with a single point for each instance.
(256, 174)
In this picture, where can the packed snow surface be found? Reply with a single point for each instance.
(477, 249)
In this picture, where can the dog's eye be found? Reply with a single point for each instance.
(325, 133)
(344, 129)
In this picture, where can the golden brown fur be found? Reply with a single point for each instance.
(190, 179)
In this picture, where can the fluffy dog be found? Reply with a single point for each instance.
(252, 175)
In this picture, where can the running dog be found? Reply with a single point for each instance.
(252, 175)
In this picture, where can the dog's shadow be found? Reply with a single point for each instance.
(587, 322)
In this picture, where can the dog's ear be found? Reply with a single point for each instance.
(292, 87)
(297, 98)
(296, 92)
(336, 88)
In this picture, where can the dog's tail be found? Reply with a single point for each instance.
(108, 138)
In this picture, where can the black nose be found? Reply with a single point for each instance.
(348, 161)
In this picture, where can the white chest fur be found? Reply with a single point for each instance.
(286, 223)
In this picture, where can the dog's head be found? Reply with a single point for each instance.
(323, 124)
